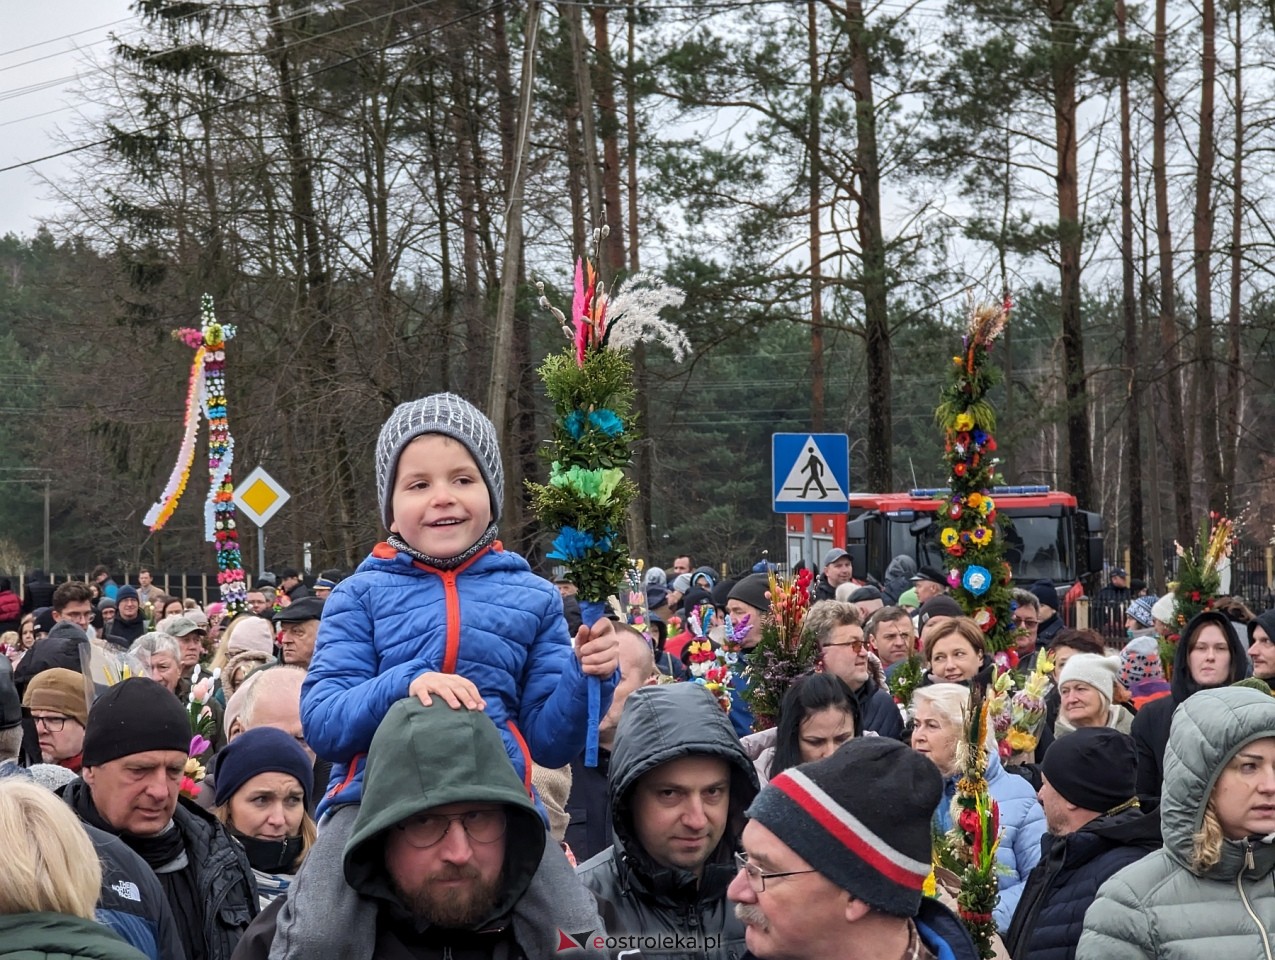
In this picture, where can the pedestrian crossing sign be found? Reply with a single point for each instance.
(810, 472)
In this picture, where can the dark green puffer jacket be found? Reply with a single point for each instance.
(1161, 907)
(58, 936)
(426, 757)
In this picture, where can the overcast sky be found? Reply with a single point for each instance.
(42, 49)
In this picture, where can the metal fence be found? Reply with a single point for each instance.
(1252, 574)
(199, 586)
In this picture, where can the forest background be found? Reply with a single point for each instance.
(827, 181)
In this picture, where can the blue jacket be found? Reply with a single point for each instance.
(492, 621)
(1022, 827)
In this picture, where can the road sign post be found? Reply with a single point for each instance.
(810, 473)
(260, 496)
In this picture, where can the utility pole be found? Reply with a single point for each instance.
(47, 499)
(502, 346)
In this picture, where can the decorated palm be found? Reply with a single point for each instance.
(970, 532)
(587, 496)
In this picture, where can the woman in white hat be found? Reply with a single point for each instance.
(1087, 686)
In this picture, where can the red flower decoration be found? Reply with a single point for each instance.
(1195, 596)
(959, 469)
(957, 549)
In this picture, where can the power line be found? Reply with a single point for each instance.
(257, 91)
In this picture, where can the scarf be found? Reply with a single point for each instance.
(159, 851)
(445, 563)
(165, 854)
(270, 886)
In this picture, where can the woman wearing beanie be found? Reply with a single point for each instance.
(1087, 688)
(1141, 672)
(52, 879)
(263, 781)
(938, 712)
(247, 643)
(1208, 894)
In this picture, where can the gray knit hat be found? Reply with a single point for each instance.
(451, 416)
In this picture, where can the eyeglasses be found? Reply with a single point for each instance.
(52, 724)
(481, 826)
(757, 878)
(1027, 624)
(856, 645)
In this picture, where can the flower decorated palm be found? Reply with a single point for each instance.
(587, 496)
(969, 529)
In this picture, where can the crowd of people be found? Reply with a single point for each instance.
(393, 764)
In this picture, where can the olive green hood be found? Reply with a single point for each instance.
(425, 757)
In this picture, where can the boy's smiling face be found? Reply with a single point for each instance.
(440, 505)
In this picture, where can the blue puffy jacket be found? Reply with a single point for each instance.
(492, 621)
(1022, 827)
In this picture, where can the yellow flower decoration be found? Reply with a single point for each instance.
(1021, 742)
(930, 887)
(981, 536)
(963, 421)
(949, 536)
(988, 505)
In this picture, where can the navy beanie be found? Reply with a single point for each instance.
(861, 817)
(260, 750)
(126, 592)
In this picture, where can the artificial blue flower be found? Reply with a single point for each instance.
(571, 544)
(976, 580)
(574, 424)
(607, 421)
(980, 436)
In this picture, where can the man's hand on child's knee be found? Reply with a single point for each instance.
(455, 691)
(598, 649)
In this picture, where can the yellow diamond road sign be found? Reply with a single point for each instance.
(259, 496)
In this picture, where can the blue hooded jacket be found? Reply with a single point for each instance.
(491, 620)
(1022, 827)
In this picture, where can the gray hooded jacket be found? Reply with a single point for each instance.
(638, 896)
(1162, 906)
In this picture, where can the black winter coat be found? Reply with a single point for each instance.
(589, 832)
(37, 594)
(635, 894)
(1151, 726)
(123, 633)
(1051, 913)
(223, 877)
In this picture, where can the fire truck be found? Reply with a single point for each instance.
(1047, 537)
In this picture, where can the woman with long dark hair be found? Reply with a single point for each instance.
(818, 714)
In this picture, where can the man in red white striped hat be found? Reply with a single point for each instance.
(836, 853)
